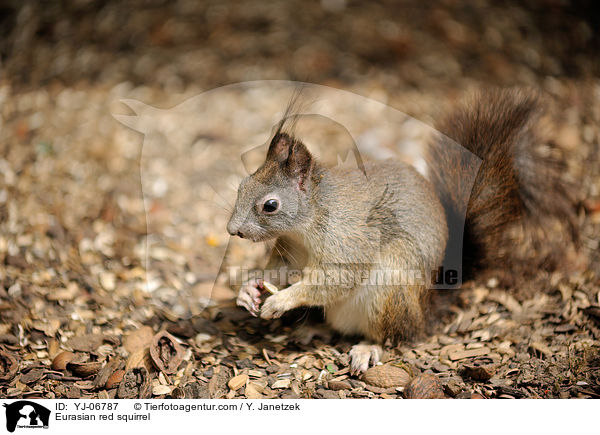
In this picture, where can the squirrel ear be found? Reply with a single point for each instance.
(299, 163)
(293, 156)
(279, 149)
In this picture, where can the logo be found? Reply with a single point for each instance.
(26, 414)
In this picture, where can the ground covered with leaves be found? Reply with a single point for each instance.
(83, 314)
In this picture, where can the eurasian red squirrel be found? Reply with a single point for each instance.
(386, 215)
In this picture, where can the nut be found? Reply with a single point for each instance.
(166, 352)
(84, 370)
(386, 376)
(271, 288)
(8, 366)
(426, 386)
(61, 360)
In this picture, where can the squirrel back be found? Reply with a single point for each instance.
(516, 187)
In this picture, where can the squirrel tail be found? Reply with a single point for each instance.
(516, 187)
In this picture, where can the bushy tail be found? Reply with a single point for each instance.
(516, 187)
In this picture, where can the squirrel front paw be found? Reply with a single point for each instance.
(277, 304)
(249, 295)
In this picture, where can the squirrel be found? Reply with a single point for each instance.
(347, 221)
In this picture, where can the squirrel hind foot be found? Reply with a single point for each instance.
(363, 356)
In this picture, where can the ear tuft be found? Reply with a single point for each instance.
(299, 163)
(293, 156)
(279, 148)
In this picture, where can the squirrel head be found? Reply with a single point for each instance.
(274, 200)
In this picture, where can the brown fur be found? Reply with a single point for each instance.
(401, 319)
(515, 185)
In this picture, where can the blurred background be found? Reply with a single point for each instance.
(72, 219)
(173, 44)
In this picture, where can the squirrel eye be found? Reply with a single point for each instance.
(270, 206)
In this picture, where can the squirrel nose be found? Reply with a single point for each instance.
(234, 231)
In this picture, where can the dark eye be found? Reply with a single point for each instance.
(270, 206)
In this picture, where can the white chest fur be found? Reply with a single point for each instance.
(350, 315)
